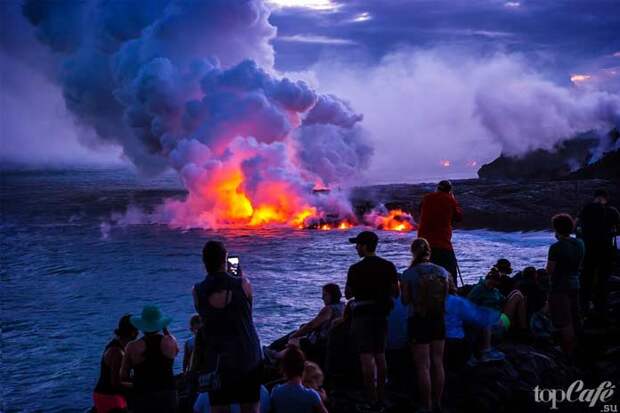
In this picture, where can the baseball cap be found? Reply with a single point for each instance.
(365, 238)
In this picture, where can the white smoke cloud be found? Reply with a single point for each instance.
(424, 106)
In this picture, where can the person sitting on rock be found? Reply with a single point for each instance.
(515, 299)
(486, 294)
(528, 283)
(292, 396)
(312, 336)
(459, 313)
(563, 265)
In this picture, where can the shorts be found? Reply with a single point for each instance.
(423, 330)
(564, 308)
(369, 334)
(241, 389)
(106, 402)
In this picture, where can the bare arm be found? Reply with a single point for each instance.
(114, 359)
(458, 211)
(550, 267)
(247, 288)
(195, 298)
(169, 346)
(323, 316)
(348, 291)
(186, 357)
(126, 367)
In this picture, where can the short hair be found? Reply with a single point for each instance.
(213, 255)
(563, 224)
(334, 292)
(194, 320)
(602, 193)
(293, 362)
(125, 328)
(493, 274)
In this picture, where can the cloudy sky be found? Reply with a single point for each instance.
(443, 85)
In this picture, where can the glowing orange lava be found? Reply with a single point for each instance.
(445, 163)
(395, 220)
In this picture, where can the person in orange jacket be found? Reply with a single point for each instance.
(438, 211)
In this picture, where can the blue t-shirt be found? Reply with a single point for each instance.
(412, 274)
(294, 398)
(202, 403)
(461, 311)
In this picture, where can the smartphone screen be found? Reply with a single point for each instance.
(233, 264)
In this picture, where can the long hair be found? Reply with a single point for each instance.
(421, 251)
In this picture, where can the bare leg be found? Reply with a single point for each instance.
(422, 362)
(437, 371)
(381, 374)
(515, 310)
(250, 407)
(368, 373)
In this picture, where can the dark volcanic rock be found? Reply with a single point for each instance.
(542, 164)
(507, 206)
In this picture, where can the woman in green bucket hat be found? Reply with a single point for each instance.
(151, 359)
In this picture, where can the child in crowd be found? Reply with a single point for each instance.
(292, 396)
(194, 325)
(313, 379)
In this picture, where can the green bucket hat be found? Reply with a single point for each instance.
(151, 320)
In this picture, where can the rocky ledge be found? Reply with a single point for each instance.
(499, 205)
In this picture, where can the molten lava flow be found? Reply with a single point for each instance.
(395, 220)
(445, 163)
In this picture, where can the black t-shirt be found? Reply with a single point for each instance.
(599, 223)
(372, 280)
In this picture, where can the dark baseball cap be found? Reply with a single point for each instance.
(365, 238)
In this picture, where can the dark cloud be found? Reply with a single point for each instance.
(561, 36)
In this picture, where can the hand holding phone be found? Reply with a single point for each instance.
(233, 265)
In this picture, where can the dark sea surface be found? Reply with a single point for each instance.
(67, 276)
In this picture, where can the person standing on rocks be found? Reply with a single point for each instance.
(373, 284)
(598, 224)
(563, 265)
(438, 211)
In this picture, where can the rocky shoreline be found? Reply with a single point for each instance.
(497, 205)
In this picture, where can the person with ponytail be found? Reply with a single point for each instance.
(424, 287)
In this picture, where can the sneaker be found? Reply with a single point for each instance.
(491, 355)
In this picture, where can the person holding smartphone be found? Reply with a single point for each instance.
(227, 346)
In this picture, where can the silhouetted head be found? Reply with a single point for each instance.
(444, 186)
(214, 256)
(563, 224)
(126, 330)
(293, 362)
(331, 294)
(493, 277)
(195, 323)
(365, 243)
(420, 250)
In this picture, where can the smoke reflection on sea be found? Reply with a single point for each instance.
(64, 286)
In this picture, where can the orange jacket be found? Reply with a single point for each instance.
(438, 211)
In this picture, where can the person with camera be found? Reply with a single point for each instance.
(438, 211)
(227, 356)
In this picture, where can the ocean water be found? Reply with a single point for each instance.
(67, 277)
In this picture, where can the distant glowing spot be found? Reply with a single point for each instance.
(362, 17)
(617, 54)
(472, 164)
(308, 4)
(512, 4)
(577, 79)
(445, 163)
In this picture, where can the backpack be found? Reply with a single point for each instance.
(431, 294)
